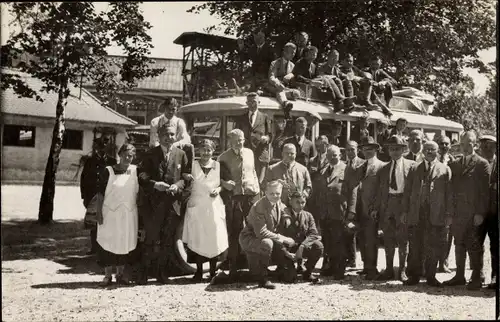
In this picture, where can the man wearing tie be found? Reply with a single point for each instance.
(415, 141)
(260, 240)
(304, 147)
(470, 182)
(392, 179)
(301, 41)
(316, 165)
(428, 203)
(446, 158)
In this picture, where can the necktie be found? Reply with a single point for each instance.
(413, 156)
(441, 158)
(349, 163)
(393, 184)
(329, 171)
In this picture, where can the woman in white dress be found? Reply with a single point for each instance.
(205, 232)
(117, 215)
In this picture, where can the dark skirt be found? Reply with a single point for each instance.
(105, 258)
(193, 257)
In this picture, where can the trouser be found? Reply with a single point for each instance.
(490, 228)
(426, 244)
(386, 89)
(469, 241)
(445, 251)
(369, 243)
(236, 219)
(350, 244)
(395, 233)
(333, 236)
(93, 238)
(259, 256)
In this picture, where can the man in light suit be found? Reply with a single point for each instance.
(160, 178)
(393, 179)
(428, 204)
(470, 182)
(415, 141)
(333, 217)
(304, 147)
(365, 202)
(260, 240)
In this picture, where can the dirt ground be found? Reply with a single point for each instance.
(47, 277)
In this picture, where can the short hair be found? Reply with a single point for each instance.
(309, 49)
(401, 119)
(236, 133)
(296, 195)
(289, 146)
(300, 120)
(383, 121)
(252, 94)
(126, 147)
(303, 33)
(353, 143)
(274, 183)
(418, 133)
(207, 142)
(322, 138)
(170, 102)
(471, 134)
(290, 45)
(347, 55)
(434, 144)
(443, 138)
(333, 51)
(332, 148)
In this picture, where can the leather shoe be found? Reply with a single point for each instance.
(106, 281)
(434, 282)
(308, 277)
(286, 110)
(455, 281)
(493, 284)
(387, 275)
(474, 284)
(122, 280)
(198, 277)
(267, 284)
(413, 280)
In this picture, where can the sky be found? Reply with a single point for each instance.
(170, 19)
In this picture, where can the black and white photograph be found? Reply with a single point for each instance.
(249, 160)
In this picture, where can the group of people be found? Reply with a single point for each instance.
(308, 204)
(295, 75)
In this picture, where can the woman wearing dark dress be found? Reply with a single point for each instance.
(117, 215)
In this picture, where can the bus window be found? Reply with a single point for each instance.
(432, 134)
(326, 127)
(208, 127)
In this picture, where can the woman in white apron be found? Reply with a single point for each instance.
(117, 215)
(205, 232)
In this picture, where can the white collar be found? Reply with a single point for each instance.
(300, 137)
(370, 161)
(430, 163)
(166, 149)
(398, 161)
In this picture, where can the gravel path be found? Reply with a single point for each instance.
(48, 286)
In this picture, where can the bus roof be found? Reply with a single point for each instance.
(235, 105)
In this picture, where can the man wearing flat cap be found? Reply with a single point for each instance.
(160, 178)
(488, 148)
(393, 178)
(304, 147)
(364, 203)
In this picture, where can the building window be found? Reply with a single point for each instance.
(72, 140)
(140, 119)
(16, 135)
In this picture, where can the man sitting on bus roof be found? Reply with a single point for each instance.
(170, 106)
(302, 42)
(305, 68)
(383, 83)
(280, 76)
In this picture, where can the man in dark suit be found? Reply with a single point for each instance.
(382, 136)
(90, 176)
(334, 79)
(393, 179)
(470, 181)
(305, 148)
(260, 240)
(415, 141)
(400, 128)
(261, 54)
(488, 149)
(446, 158)
(333, 217)
(301, 41)
(428, 204)
(363, 202)
(305, 69)
(352, 178)
(160, 178)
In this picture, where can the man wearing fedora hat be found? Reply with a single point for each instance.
(365, 205)
(487, 148)
(392, 180)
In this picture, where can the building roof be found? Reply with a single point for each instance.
(198, 39)
(87, 109)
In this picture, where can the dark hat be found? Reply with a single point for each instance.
(401, 119)
(488, 138)
(395, 141)
(369, 141)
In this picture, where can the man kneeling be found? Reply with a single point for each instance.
(299, 224)
(260, 240)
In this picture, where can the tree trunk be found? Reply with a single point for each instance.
(46, 209)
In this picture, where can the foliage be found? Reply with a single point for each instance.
(426, 42)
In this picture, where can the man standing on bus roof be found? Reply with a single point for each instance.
(169, 118)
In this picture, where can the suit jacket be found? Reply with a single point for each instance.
(261, 59)
(440, 195)
(380, 75)
(330, 191)
(316, 164)
(153, 169)
(451, 158)
(299, 53)
(354, 70)
(414, 157)
(301, 229)
(352, 178)
(383, 190)
(261, 223)
(278, 69)
(366, 193)
(304, 71)
(325, 69)
(305, 152)
(470, 184)
(262, 124)
(299, 178)
(494, 187)
(91, 175)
